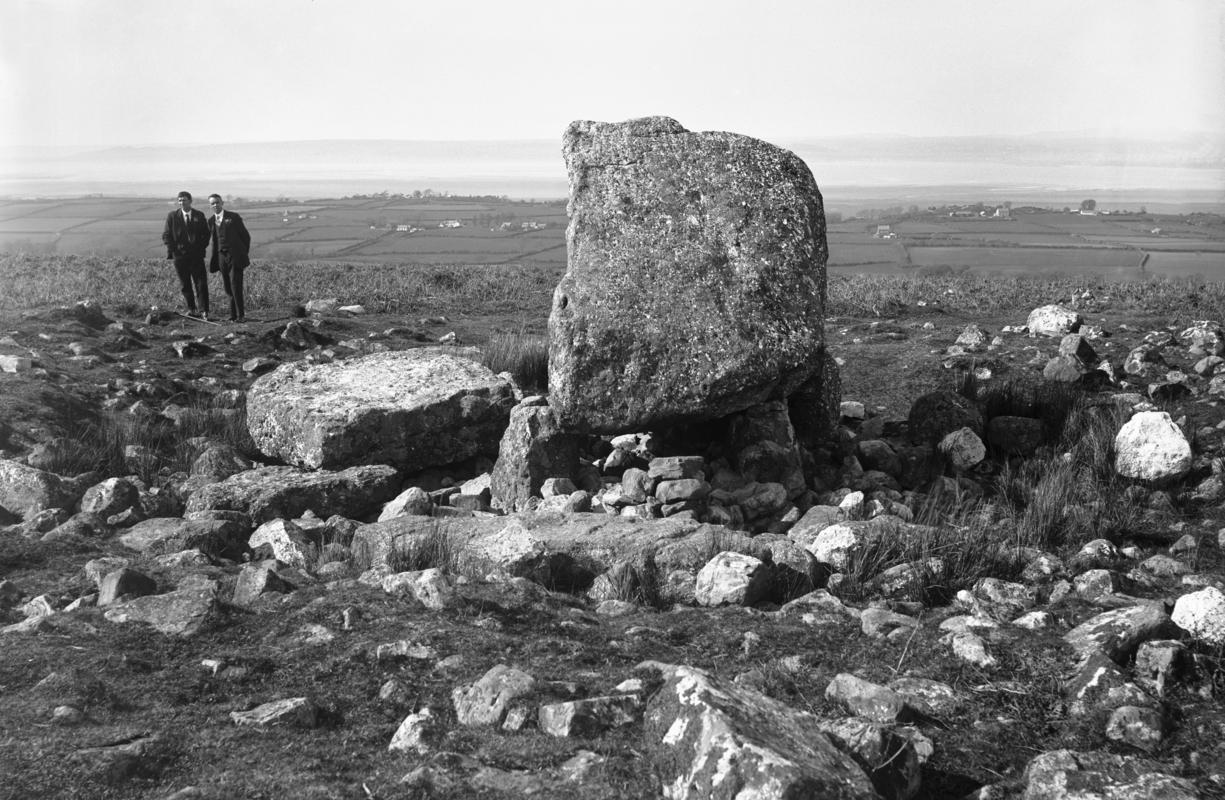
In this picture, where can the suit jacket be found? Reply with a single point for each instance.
(232, 239)
(184, 240)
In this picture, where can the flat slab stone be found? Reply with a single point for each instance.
(1062, 774)
(1119, 632)
(184, 612)
(410, 409)
(269, 493)
(161, 535)
(559, 551)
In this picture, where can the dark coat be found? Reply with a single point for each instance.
(184, 240)
(233, 240)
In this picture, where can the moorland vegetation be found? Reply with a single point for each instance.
(130, 680)
(133, 285)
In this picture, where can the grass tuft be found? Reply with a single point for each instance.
(1072, 495)
(969, 541)
(101, 445)
(433, 549)
(524, 356)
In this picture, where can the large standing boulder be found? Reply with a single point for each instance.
(695, 285)
(411, 409)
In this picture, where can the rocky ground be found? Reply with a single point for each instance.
(208, 622)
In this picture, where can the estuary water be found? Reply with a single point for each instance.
(535, 170)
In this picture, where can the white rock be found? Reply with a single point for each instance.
(852, 409)
(323, 305)
(15, 364)
(972, 649)
(289, 544)
(1053, 320)
(1151, 447)
(1035, 621)
(430, 587)
(410, 736)
(1202, 614)
(413, 500)
(852, 505)
(732, 578)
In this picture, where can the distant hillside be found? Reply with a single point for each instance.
(1201, 150)
(534, 168)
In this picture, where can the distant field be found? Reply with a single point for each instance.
(1210, 266)
(847, 252)
(41, 224)
(1110, 247)
(494, 231)
(354, 229)
(1037, 259)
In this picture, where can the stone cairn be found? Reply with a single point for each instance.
(688, 330)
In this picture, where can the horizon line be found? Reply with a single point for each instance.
(1088, 135)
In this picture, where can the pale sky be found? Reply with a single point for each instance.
(131, 72)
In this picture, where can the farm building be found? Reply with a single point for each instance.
(450, 223)
(1003, 213)
(884, 232)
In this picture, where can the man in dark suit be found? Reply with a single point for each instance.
(186, 239)
(231, 253)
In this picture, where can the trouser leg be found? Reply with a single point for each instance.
(231, 276)
(199, 276)
(183, 268)
(237, 302)
(227, 280)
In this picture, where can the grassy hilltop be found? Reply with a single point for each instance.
(155, 715)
